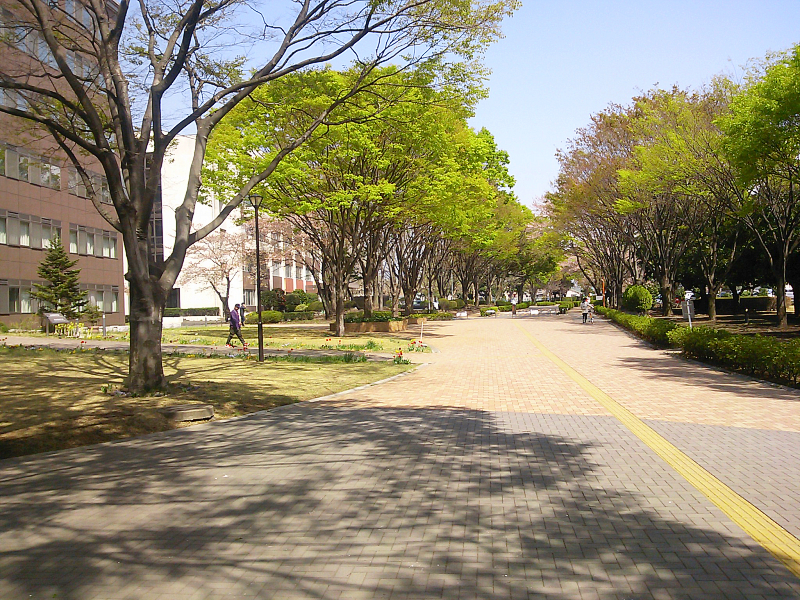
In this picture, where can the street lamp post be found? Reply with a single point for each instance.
(255, 202)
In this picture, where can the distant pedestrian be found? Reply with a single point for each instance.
(236, 328)
(513, 304)
(586, 308)
(241, 315)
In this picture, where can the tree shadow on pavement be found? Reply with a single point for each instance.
(314, 501)
(700, 376)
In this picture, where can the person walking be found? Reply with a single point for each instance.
(585, 308)
(513, 304)
(236, 328)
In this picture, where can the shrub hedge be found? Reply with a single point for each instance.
(437, 316)
(378, 316)
(760, 356)
(648, 328)
(305, 315)
(209, 311)
(315, 306)
(485, 309)
(267, 316)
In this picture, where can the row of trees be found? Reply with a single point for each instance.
(398, 187)
(689, 187)
(113, 84)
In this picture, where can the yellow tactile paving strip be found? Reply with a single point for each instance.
(654, 384)
(780, 543)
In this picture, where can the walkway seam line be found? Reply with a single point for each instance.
(764, 530)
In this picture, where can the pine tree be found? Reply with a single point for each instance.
(61, 292)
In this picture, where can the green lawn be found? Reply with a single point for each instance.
(54, 400)
(307, 336)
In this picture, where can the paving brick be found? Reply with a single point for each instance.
(486, 474)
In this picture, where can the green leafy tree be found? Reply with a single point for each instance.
(116, 107)
(681, 155)
(763, 142)
(383, 167)
(61, 293)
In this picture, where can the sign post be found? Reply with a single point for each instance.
(687, 308)
(55, 319)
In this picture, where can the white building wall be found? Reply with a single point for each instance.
(174, 179)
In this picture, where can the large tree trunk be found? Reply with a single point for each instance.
(145, 371)
(712, 301)
(780, 300)
(368, 297)
(339, 301)
(409, 293)
(666, 296)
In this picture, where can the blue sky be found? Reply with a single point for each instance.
(563, 60)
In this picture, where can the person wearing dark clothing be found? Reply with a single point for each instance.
(241, 315)
(236, 327)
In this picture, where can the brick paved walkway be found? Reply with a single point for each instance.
(485, 474)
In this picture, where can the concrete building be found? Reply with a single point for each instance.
(41, 197)
(284, 259)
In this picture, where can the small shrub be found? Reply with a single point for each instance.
(504, 307)
(3, 328)
(440, 316)
(315, 306)
(637, 298)
(298, 316)
(301, 308)
(523, 305)
(445, 304)
(485, 310)
(460, 303)
(677, 336)
(267, 316)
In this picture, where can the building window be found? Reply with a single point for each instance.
(25, 305)
(2, 159)
(112, 248)
(51, 176)
(90, 243)
(24, 234)
(287, 271)
(106, 247)
(13, 300)
(249, 297)
(174, 298)
(3, 235)
(114, 301)
(24, 168)
(47, 236)
(73, 241)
